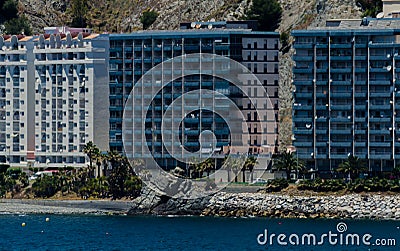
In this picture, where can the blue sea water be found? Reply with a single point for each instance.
(66, 232)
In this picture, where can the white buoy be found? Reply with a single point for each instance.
(47, 219)
(23, 224)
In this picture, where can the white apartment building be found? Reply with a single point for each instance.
(49, 86)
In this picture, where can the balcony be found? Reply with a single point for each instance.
(335, 82)
(361, 82)
(341, 107)
(303, 95)
(339, 155)
(299, 58)
(360, 94)
(302, 70)
(341, 119)
(303, 131)
(322, 82)
(303, 45)
(321, 131)
(340, 58)
(321, 107)
(360, 144)
(341, 46)
(379, 144)
(302, 107)
(380, 94)
(341, 70)
(360, 58)
(341, 131)
(379, 155)
(303, 144)
(341, 144)
(379, 69)
(380, 132)
(341, 95)
(303, 82)
(322, 58)
(379, 107)
(380, 120)
(321, 144)
(360, 131)
(360, 107)
(302, 119)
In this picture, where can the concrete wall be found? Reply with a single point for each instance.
(390, 6)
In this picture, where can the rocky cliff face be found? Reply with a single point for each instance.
(123, 16)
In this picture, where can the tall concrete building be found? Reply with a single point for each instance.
(347, 97)
(49, 88)
(132, 55)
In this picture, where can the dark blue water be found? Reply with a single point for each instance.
(176, 233)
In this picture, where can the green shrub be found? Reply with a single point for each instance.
(319, 185)
(374, 185)
(45, 186)
(133, 186)
(14, 172)
(276, 185)
(148, 17)
(4, 167)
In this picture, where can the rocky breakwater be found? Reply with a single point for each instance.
(268, 205)
(271, 205)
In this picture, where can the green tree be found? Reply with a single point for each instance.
(268, 13)
(249, 164)
(287, 161)
(18, 26)
(99, 159)
(119, 173)
(45, 186)
(9, 9)
(78, 10)
(352, 167)
(234, 164)
(285, 45)
(206, 166)
(148, 17)
(370, 7)
(92, 152)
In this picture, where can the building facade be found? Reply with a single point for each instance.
(132, 55)
(347, 93)
(49, 86)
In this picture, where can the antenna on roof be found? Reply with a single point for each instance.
(210, 26)
(193, 24)
(380, 15)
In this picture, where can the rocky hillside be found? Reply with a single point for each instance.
(123, 16)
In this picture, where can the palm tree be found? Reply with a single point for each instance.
(249, 165)
(91, 150)
(99, 160)
(233, 163)
(207, 166)
(287, 161)
(353, 166)
(120, 170)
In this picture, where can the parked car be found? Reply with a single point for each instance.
(259, 181)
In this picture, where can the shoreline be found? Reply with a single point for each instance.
(349, 206)
(67, 207)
